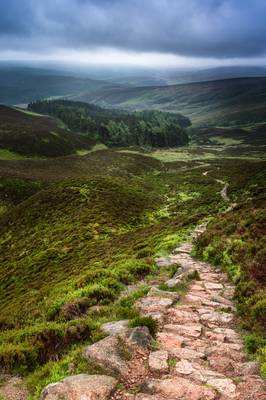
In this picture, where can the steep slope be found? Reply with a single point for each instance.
(29, 134)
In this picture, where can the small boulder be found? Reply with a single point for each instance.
(85, 387)
(184, 367)
(112, 352)
(112, 328)
(137, 337)
(158, 361)
(107, 354)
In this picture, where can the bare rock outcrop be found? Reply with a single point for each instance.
(77, 387)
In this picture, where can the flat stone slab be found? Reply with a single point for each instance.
(181, 388)
(193, 331)
(169, 340)
(213, 286)
(177, 316)
(86, 387)
(230, 334)
(218, 318)
(198, 374)
(153, 304)
(224, 386)
(186, 353)
(112, 328)
(158, 361)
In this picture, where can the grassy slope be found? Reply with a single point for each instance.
(224, 102)
(76, 231)
(76, 243)
(33, 135)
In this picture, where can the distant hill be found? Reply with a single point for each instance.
(23, 85)
(225, 102)
(28, 134)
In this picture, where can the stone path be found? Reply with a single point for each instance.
(200, 354)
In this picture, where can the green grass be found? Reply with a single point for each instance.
(10, 155)
(70, 243)
(25, 135)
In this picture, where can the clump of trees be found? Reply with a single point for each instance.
(118, 128)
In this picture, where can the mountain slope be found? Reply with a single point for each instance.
(223, 102)
(22, 85)
(29, 134)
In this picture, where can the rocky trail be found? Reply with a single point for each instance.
(198, 353)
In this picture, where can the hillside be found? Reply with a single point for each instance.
(216, 103)
(20, 85)
(31, 135)
(75, 231)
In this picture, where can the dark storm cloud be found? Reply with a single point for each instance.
(216, 28)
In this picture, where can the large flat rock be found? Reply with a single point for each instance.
(182, 389)
(77, 387)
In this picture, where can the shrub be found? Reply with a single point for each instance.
(18, 357)
(258, 312)
(149, 322)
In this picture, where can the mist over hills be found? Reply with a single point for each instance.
(203, 96)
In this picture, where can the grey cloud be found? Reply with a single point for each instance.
(211, 28)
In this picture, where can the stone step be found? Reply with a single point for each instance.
(191, 331)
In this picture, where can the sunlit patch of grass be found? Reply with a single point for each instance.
(10, 155)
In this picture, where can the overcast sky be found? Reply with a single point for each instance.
(144, 32)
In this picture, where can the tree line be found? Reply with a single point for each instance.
(118, 128)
